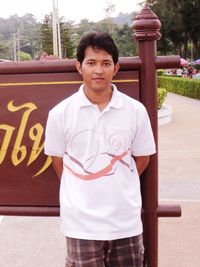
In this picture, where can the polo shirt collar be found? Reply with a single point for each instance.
(115, 102)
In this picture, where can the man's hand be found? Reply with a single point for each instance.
(57, 163)
(141, 163)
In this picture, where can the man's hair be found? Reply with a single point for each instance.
(99, 40)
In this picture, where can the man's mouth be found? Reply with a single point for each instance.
(98, 79)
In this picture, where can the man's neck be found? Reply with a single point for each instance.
(99, 98)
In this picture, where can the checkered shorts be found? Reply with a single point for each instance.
(126, 252)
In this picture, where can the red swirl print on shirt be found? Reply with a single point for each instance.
(92, 154)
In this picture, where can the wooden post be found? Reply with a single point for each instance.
(146, 33)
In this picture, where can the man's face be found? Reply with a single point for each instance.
(97, 69)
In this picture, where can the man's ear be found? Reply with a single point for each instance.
(78, 67)
(117, 66)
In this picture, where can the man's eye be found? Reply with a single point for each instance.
(107, 64)
(90, 63)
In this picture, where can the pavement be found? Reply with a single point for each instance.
(37, 241)
(179, 183)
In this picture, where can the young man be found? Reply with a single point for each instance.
(100, 141)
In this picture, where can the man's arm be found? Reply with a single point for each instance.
(57, 163)
(141, 163)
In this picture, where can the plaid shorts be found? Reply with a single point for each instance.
(126, 252)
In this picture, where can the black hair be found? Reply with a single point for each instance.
(96, 39)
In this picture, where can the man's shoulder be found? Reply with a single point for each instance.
(130, 101)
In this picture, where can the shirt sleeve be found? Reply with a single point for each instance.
(143, 142)
(54, 144)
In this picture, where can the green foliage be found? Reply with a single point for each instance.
(84, 26)
(66, 33)
(180, 31)
(123, 38)
(39, 35)
(28, 32)
(24, 56)
(46, 34)
(27, 28)
(122, 34)
(180, 26)
(5, 51)
(67, 40)
(162, 94)
(160, 72)
(182, 86)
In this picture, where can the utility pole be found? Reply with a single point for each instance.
(14, 47)
(56, 30)
(18, 46)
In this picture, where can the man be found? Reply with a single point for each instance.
(100, 141)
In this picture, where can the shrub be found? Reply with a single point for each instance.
(24, 56)
(160, 72)
(162, 93)
(182, 86)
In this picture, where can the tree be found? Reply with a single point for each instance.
(123, 38)
(5, 51)
(180, 25)
(66, 34)
(46, 34)
(24, 56)
(67, 40)
(35, 37)
(169, 16)
(25, 30)
(29, 38)
(84, 26)
(190, 14)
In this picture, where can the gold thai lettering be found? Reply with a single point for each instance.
(5, 144)
(35, 133)
(20, 151)
(45, 166)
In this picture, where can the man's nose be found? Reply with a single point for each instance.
(98, 69)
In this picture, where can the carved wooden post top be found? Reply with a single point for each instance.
(146, 25)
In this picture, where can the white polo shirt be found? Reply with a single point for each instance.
(100, 189)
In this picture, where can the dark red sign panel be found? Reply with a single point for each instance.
(26, 175)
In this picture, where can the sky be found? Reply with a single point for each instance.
(73, 10)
